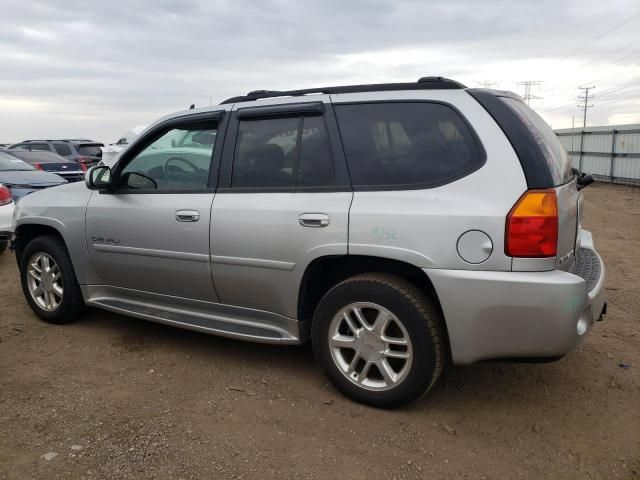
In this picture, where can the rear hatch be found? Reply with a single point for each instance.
(545, 163)
(564, 180)
(90, 153)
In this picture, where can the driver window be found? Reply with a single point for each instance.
(179, 159)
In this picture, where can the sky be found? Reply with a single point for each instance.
(76, 69)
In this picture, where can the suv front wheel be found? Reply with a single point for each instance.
(49, 282)
(378, 339)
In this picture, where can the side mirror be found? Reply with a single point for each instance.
(98, 178)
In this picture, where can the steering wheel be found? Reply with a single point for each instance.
(186, 176)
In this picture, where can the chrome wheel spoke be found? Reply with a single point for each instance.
(394, 340)
(396, 354)
(354, 363)
(386, 371)
(47, 299)
(57, 289)
(37, 291)
(342, 341)
(365, 372)
(380, 323)
(35, 274)
(46, 265)
(352, 326)
(358, 313)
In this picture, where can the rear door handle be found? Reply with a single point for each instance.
(314, 220)
(187, 215)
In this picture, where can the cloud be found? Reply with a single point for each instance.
(77, 68)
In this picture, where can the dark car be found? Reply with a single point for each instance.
(83, 151)
(22, 179)
(51, 162)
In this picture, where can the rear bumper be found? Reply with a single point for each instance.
(492, 315)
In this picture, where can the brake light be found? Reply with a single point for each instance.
(532, 225)
(38, 166)
(5, 195)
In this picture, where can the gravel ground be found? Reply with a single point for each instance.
(114, 397)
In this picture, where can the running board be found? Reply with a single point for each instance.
(206, 317)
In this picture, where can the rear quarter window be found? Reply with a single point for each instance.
(407, 144)
(554, 153)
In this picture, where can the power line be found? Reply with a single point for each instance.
(600, 36)
(586, 105)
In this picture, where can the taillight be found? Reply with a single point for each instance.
(5, 195)
(532, 225)
(38, 166)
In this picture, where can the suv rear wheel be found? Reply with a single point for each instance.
(378, 339)
(49, 282)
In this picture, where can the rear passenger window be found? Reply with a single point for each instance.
(282, 153)
(38, 146)
(407, 144)
(62, 149)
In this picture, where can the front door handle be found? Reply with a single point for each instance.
(314, 220)
(187, 215)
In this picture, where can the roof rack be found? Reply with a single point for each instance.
(425, 83)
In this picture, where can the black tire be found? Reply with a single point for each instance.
(72, 303)
(3, 245)
(412, 309)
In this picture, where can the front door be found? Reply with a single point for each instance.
(151, 233)
(284, 202)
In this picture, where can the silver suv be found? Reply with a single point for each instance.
(399, 227)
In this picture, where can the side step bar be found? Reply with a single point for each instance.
(206, 317)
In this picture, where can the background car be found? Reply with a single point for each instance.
(83, 151)
(6, 216)
(51, 162)
(111, 152)
(21, 178)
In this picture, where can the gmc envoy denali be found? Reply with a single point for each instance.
(399, 227)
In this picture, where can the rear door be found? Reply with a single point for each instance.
(283, 201)
(151, 234)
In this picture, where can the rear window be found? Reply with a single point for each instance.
(62, 149)
(553, 151)
(89, 150)
(407, 144)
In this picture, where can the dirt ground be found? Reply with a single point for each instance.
(116, 397)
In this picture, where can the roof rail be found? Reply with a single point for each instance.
(68, 140)
(425, 83)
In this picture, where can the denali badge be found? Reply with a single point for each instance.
(105, 240)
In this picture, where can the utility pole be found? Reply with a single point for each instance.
(586, 97)
(527, 90)
(487, 84)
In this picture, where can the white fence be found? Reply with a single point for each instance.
(610, 153)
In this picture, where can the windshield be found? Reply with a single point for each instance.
(9, 163)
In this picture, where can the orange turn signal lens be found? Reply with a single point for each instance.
(532, 225)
